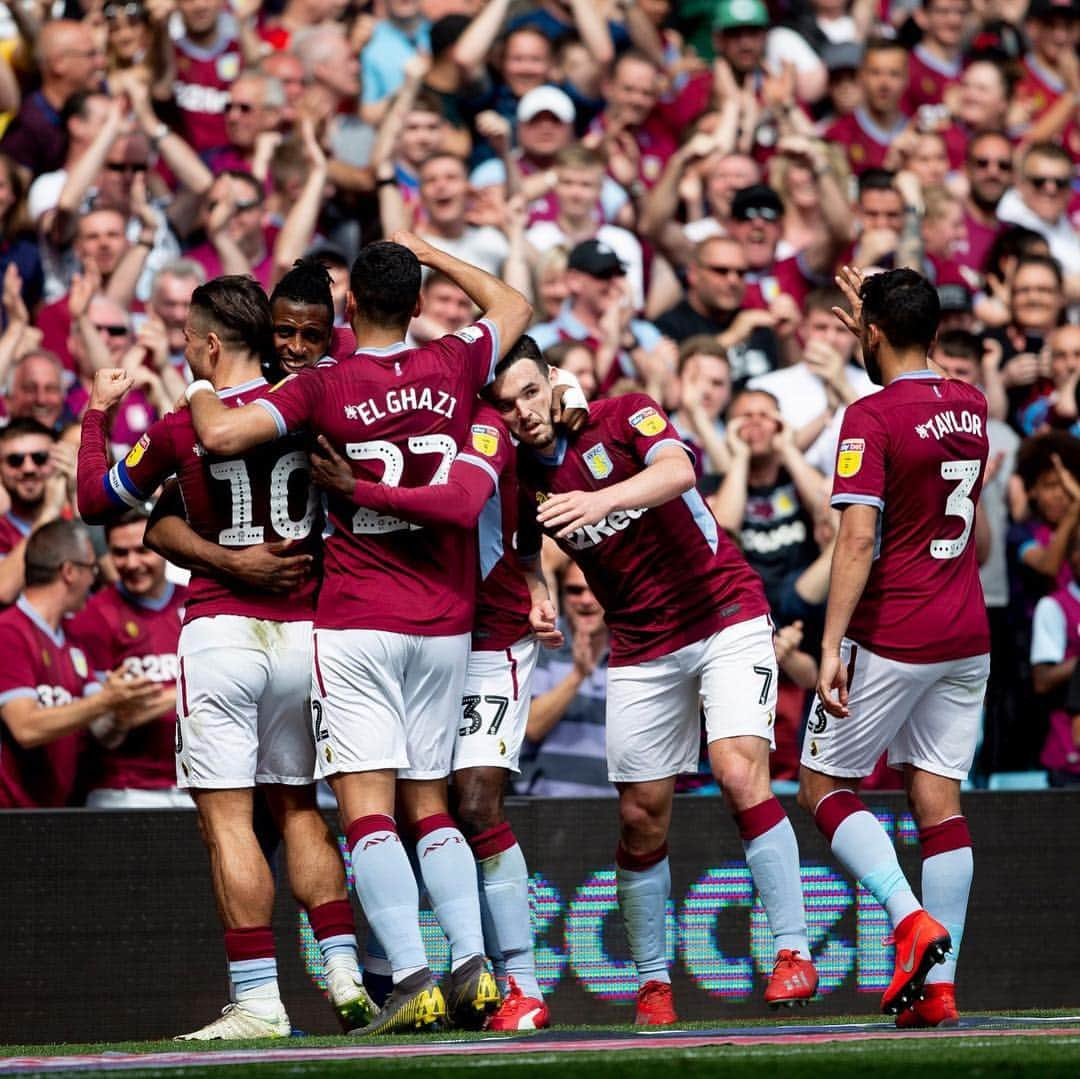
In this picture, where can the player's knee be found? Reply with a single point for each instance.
(743, 779)
(643, 823)
(477, 799)
(479, 812)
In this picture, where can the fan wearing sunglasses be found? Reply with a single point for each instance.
(36, 490)
(1040, 202)
(757, 224)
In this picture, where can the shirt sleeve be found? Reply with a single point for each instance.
(18, 676)
(1048, 632)
(859, 476)
(292, 401)
(103, 491)
(643, 427)
(477, 347)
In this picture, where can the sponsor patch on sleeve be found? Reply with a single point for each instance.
(648, 421)
(849, 457)
(484, 439)
(469, 334)
(137, 451)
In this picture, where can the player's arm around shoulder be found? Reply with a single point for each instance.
(225, 431)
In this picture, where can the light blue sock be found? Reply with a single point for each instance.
(643, 895)
(387, 891)
(946, 883)
(773, 860)
(449, 873)
(505, 893)
(864, 849)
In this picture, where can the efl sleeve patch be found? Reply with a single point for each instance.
(849, 457)
(137, 451)
(484, 439)
(469, 334)
(648, 421)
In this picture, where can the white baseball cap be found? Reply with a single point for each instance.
(546, 99)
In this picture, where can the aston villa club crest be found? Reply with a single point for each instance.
(598, 462)
(78, 661)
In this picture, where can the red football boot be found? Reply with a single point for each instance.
(655, 1005)
(921, 941)
(935, 1008)
(793, 981)
(519, 1012)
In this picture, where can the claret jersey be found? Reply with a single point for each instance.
(400, 415)
(262, 496)
(917, 451)
(666, 576)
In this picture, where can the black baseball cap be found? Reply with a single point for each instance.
(1049, 9)
(597, 259)
(842, 56)
(756, 197)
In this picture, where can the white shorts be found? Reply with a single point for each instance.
(925, 714)
(495, 706)
(653, 709)
(242, 703)
(386, 700)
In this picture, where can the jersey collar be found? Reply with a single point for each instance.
(54, 635)
(232, 391)
(148, 602)
(925, 373)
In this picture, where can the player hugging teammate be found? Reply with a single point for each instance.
(417, 649)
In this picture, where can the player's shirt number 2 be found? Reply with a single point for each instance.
(368, 522)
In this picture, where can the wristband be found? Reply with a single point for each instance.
(196, 386)
(574, 396)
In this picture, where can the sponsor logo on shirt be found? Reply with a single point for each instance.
(611, 525)
(849, 457)
(137, 451)
(598, 461)
(484, 439)
(162, 667)
(191, 97)
(648, 421)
